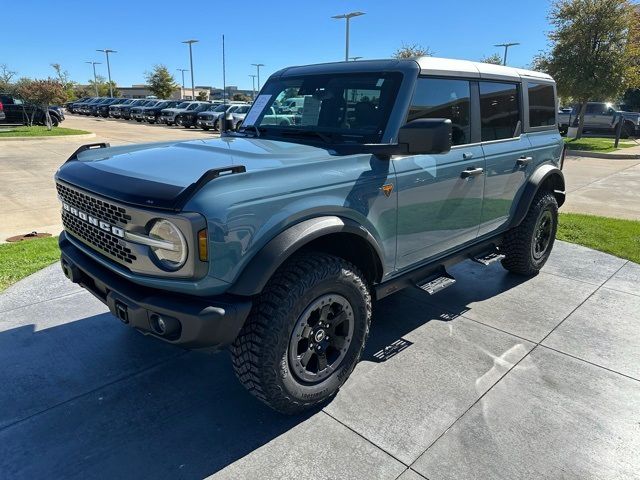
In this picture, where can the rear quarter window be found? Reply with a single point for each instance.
(542, 105)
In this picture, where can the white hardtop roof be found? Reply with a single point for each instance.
(466, 68)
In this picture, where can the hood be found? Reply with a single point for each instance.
(156, 174)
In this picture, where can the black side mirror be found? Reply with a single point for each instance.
(426, 136)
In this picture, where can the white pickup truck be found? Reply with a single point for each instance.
(600, 117)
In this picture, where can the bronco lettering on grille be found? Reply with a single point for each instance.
(96, 222)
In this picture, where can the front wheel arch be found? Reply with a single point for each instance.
(338, 236)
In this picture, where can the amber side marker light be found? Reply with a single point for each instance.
(202, 245)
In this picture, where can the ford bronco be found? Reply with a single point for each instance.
(275, 240)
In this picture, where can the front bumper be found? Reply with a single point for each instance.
(191, 322)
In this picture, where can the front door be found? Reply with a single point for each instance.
(439, 196)
(506, 150)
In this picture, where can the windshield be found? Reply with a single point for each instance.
(219, 108)
(193, 106)
(243, 109)
(345, 108)
(183, 105)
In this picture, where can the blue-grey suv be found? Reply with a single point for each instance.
(276, 239)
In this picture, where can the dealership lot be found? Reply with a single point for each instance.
(499, 378)
(28, 194)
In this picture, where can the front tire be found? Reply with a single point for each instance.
(528, 246)
(305, 333)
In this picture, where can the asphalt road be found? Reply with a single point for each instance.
(29, 201)
(497, 377)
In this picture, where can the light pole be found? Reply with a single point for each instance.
(95, 78)
(193, 88)
(182, 70)
(347, 17)
(506, 49)
(107, 51)
(258, 65)
(253, 82)
(353, 59)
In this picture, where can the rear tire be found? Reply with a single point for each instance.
(528, 246)
(313, 297)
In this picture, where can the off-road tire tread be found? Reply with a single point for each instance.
(262, 331)
(516, 244)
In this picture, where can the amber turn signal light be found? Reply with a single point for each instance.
(202, 245)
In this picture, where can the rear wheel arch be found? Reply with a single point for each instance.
(546, 178)
(334, 235)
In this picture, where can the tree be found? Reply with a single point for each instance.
(495, 59)
(594, 50)
(631, 98)
(5, 76)
(63, 78)
(103, 87)
(240, 97)
(202, 96)
(412, 51)
(42, 93)
(161, 82)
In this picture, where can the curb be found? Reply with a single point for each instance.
(52, 137)
(610, 156)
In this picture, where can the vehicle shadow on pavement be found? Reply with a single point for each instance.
(96, 399)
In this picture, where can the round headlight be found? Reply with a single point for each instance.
(171, 250)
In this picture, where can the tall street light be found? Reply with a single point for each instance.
(258, 65)
(182, 70)
(193, 88)
(107, 51)
(95, 78)
(506, 49)
(253, 82)
(347, 17)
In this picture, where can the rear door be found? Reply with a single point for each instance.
(440, 196)
(506, 150)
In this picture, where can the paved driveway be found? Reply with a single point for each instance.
(496, 377)
(27, 192)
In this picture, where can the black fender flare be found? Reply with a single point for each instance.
(545, 174)
(264, 264)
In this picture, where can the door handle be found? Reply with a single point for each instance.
(522, 161)
(471, 172)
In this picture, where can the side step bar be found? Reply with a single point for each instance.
(437, 282)
(488, 257)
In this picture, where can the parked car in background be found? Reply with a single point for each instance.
(152, 114)
(125, 110)
(276, 241)
(3, 115)
(211, 119)
(69, 106)
(94, 108)
(137, 113)
(189, 118)
(168, 115)
(102, 110)
(83, 107)
(270, 118)
(18, 112)
(114, 110)
(600, 117)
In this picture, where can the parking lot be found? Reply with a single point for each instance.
(27, 167)
(497, 377)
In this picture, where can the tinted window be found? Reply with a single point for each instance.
(542, 105)
(596, 108)
(439, 98)
(499, 110)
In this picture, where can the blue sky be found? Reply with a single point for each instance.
(276, 33)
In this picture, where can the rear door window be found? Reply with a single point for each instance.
(499, 110)
(444, 98)
(542, 105)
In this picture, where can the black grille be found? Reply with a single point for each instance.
(98, 238)
(97, 208)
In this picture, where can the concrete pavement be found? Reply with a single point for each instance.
(497, 377)
(27, 192)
